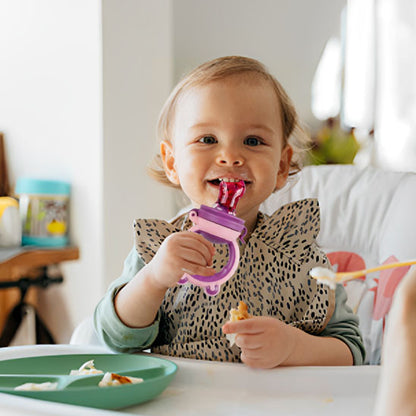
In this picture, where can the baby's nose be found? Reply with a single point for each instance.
(230, 162)
(228, 158)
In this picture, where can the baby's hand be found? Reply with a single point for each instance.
(182, 252)
(265, 342)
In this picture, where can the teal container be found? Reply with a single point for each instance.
(44, 211)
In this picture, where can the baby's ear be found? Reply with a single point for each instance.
(168, 159)
(284, 167)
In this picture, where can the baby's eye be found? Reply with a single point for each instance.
(252, 141)
(208, 140)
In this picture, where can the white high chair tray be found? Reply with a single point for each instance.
(210, 388)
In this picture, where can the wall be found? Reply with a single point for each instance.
(137, 73)
(82, 82)
(76, 110)
(50, 112)
(288, 36)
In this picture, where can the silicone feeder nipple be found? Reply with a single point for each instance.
(229, 195)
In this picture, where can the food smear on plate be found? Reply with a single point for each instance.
(86, 369)
(113, 379)
(47, 386)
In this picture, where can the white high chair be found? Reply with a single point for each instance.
(363, 210)
(366, 211)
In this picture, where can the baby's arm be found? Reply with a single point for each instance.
(107, 324)
(138, 302)
(267, 342)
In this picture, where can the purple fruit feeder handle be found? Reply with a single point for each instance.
(219, 225)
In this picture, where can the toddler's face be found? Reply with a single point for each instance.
(228, 129)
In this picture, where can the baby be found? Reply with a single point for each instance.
(230, 119)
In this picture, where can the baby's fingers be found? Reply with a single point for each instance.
(200, 245)
(194, 269)
(188, 246)
(246, 326)
(194, 256)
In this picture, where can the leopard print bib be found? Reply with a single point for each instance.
(272, 279)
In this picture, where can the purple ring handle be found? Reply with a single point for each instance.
(219, 228)
(212, 284)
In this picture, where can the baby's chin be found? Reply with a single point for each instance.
(207, 202)
(209, 198)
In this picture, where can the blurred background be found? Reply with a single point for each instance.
(82, 83)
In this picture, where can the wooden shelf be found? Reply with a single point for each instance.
(27, 262)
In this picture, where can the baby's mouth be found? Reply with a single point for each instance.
(216, 182)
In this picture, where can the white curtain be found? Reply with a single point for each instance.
(396, 85)
(378, 80)
(358, 108)
(326, 85)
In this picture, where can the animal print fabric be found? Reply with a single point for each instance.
(272, 279)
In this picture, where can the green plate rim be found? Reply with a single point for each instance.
(170, 368)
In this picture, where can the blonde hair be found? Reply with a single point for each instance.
(219, 69)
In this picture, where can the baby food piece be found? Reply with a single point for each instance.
(37, 386)
(238, 314)
(324, 276)
(86, 369)
(113, 379)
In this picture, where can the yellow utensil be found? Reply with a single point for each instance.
(331, 278)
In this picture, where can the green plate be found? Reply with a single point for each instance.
(156, 373)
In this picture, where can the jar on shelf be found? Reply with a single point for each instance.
(44, 211)
(10, 227)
